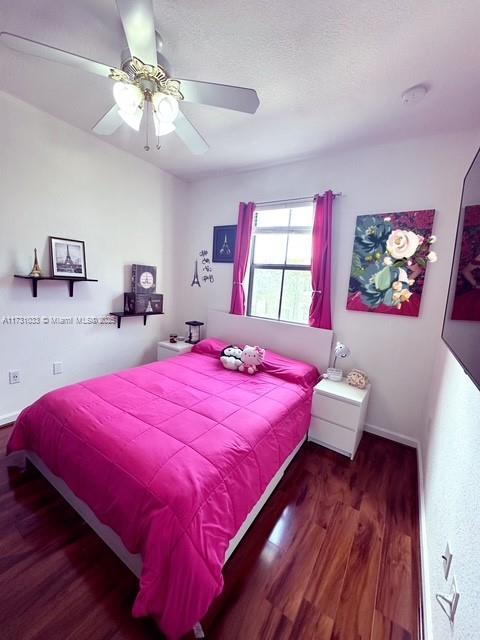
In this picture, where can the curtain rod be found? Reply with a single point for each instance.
(303, 199)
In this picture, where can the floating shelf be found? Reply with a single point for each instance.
(71, 282)
(123, 314)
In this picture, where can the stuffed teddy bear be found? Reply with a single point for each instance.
(251, 358)
(231, 357)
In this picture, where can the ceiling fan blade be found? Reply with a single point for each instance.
(189, 135)
(139, 25)
(220, 95)
(108, 123)
(52, 53)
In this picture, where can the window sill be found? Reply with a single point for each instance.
(298, 324)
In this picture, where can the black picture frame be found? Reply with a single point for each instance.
(75, 267)
(224, 239)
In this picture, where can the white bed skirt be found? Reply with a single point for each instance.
(108, 535)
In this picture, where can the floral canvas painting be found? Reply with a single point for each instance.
(467, 293)
(390, 255)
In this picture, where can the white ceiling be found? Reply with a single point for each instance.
(329, 74)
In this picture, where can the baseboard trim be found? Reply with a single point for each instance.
(392, 435)
(425, 573)
(8, 418)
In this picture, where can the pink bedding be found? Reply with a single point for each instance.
(172, 456)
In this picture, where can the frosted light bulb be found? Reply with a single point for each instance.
(132, 119)
(165, 107)
(128, 97)
(162, 128)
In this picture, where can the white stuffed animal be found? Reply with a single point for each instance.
(231, 357)
(251, 358)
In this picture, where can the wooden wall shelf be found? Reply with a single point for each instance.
(71, 282)
(123, 314)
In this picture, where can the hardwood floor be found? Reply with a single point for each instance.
(334, 555)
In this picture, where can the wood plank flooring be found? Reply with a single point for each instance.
(334, 555)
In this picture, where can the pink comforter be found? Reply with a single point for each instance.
(172, 456)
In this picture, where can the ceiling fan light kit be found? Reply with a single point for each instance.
(145, 78)
(131, 94)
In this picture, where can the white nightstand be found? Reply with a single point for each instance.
(338, 414)
(167, 349)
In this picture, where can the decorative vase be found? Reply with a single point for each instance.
(357, 378)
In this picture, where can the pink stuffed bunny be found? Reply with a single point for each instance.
(251, 357)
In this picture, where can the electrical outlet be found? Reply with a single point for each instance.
(57, 368)
(447, 561)
(14, 376)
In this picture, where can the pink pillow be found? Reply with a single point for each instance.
(285, 368)
(210, 347)
(273, 363)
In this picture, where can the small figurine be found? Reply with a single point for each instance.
(36, 272)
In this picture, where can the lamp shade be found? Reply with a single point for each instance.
(165, 107)
(341, 350)
(132, 119)
(127, 96)
(162, 128)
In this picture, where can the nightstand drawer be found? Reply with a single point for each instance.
(343, 413)
(331, 435)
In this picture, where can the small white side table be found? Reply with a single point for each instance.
(167, 349)
(338, 415)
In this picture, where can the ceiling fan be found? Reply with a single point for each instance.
(143, 82)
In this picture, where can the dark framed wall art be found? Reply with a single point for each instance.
(67, 258)
(224, 238)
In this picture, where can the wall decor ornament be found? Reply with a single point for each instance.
(390, 255)
(144, 278)
(224, 238)
(195, 279)
(143, 302)
(207, 271)
(36, 272)
(67, 258)
(357, 378)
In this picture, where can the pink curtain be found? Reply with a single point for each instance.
(320, 311)
(242, 249)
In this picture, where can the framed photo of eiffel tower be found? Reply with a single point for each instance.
(224, 238)
(67, 258)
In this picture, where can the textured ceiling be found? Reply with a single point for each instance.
(329, 74)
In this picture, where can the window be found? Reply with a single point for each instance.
(280, 284)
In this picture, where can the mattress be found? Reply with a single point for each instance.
(173, 456)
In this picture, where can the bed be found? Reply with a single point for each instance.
(171, 462)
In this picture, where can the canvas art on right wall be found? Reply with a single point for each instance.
(390, 255)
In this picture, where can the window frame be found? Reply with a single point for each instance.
(283, 267)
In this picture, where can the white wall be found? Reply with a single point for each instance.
(451, 460)
(396, 352)
(57, 180)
